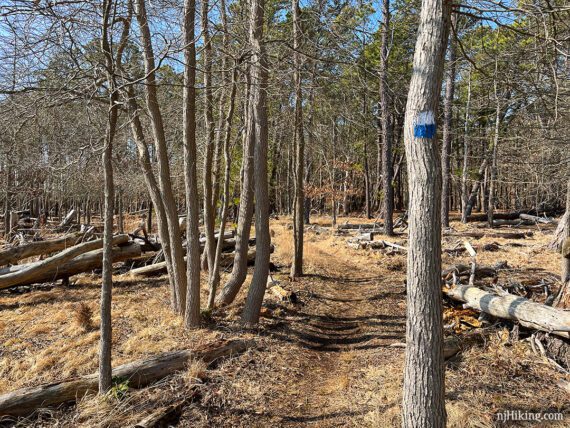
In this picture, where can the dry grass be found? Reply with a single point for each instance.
(325, 362)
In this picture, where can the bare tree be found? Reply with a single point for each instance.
(386, 124)
(424, 388)
(447, 132)
(192, 312)
(299, 211)
(258, 110)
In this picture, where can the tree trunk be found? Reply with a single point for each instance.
(465, 172)
(209, 209)
(447, 134)
(153, 189)
(424, 389)
(239, 270)
(215, 276)
(298, 213)
(387, 125)
(493, 177)
(192, 310)
(259, 110)
(165, 183)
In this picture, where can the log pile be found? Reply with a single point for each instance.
(74, 260)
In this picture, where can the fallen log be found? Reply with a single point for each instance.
(83, 263)
(466, 270)
(455, 344)
(35, 272)
(507, 306)
(138, 373)
(358, 226)
(15, 254)
(479, 235)
(226, 260)
(536, 219)
(513, 215)
(519, 222)
(68, 218)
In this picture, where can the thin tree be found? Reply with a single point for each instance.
(424, 388)
(298, 212)
(386, 125)
(192, 311)
(447, 131)
(105, 370)
(258, 95)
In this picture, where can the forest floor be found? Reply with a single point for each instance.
(328, 360)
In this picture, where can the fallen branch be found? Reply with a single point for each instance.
(138, 373)
(507, 306)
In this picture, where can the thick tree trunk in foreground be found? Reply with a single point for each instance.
(298, 213)
(192, 311)
(424, 389)
(15, 254)
(387, 125)
(528, 313)
(140, 373)
(259, 110)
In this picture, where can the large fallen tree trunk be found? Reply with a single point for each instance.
(227, 260)
(14, 254)
(35, 272)
(83, 263)
(138, 373)
(527, 313)
(537, 219)
(518, 222)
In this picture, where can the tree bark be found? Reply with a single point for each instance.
(424, 389)
(298, 213)
(165, 183)
(465, 172)
(192, 310)
(259, 109)
(239, 270)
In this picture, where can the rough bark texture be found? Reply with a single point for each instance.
(259, 109)
(140, 373)
(192, 311)
(424, 389)
(387, 125)
(298, 213)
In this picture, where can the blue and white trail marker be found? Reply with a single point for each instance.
(424, 126)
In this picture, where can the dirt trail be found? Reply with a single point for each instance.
(324, 353)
